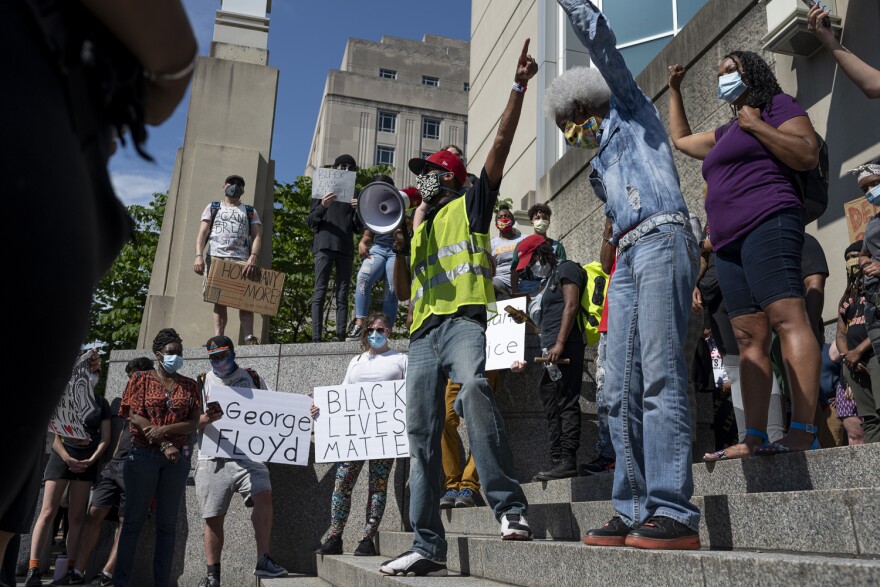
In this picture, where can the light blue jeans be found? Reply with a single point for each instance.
(646, 380)
(379, 264)
(455, 350)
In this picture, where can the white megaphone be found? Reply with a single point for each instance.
(382, 207)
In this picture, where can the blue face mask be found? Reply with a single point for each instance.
(172, 363)
(224, 367)
(731, 87)
(873, 195)
(377, 340)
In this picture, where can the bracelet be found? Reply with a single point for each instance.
(160, 78)
(199, 255)
(521, 88)
(164, 446)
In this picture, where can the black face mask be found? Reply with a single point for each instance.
(234, 191)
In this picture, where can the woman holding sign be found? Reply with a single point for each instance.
(377, 362)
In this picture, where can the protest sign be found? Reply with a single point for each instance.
(857, 213)
(259, 425)
(338, 181)
(77, 402)
(226, 285)
(361, 421)
(505, 339)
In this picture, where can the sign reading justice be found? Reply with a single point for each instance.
(361, 421)
(505, 339)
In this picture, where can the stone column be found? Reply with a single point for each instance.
(228, 131)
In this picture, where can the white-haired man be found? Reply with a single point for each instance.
(650, 296)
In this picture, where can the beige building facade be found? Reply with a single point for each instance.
(393, 100)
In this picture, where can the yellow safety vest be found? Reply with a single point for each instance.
(450, 265)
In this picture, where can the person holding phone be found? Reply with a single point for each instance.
(862, 75)
(218, 478)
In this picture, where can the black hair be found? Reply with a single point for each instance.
(545, 251)
(384, 178)
(165, 336)
(503, 207)
(761, 79)
(139, 364)
(542, 208)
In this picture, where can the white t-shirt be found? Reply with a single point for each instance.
(238, 378)
(229, 237)
(389, 366)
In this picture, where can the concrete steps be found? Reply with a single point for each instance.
(362, 571)
(293, 581)
(561, 564)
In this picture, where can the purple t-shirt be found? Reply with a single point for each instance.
(746, 181)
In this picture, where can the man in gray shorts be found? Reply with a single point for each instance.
(218, 478)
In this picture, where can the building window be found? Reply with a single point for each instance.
(387, 122)
(387, 73)
(429, 80)
(426, 154)
(385, 155)
(467, 87)
(430, 128)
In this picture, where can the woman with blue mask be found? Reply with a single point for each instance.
(755, 211)
(163, 407)
(377, 362)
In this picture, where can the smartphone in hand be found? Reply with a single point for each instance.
(214, 408)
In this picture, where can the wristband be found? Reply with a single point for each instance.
(521, 88)
(199, 255)
(157, 77)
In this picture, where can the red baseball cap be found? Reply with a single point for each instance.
(526, 248)
(444, 160)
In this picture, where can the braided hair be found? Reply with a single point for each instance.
(165, 336)
(762, 81)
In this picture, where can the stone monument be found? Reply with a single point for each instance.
(228, 131)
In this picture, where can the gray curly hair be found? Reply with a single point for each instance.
(584, 84)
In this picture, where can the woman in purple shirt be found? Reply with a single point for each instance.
(755, 213)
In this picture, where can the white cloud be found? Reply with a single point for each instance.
(138, 188)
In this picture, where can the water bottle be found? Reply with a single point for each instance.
(552, 369)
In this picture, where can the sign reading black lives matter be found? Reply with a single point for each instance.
(77, 402)
(338, 181)
(361, 421)
(259, 425)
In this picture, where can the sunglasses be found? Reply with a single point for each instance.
(219, 357)
(380, 330)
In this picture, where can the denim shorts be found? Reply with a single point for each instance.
(763, 266)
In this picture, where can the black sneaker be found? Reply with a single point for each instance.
(102, 579)
(598, 466)
(33, 579)
(365, 548)
(465, 499)
(413, 564)
(448, 500)
(661, 532)
(355, 333)
(613, 533)
(333, 545)
(266, 567)
(515, 527)
(561, 469)
(210, 581)
(71, 578)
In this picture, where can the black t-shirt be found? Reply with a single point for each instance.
(813, 258)
(480, 205)
(553, 303)
(92, 425)
(853, 315)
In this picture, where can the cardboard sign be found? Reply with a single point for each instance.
(361, 421)
(77, 402)
(338, 181)
(226, 285)
(505, 339)
(259, 425)
(858, 212)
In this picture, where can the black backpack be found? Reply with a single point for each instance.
(215, 208)
(812, 185)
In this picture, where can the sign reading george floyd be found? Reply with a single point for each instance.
(259, 425)
(857, 213)
(361, 421)
(77, 402)
(338, 181)
(227, 285)
(505, 339)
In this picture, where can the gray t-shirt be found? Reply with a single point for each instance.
(872, 243)
(502, 251)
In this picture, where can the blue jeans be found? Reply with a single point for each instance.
(454, 350)
(604, 448)
(646, 380)
(148, 473)
(379, 264)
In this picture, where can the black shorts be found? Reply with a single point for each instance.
(56, 468)
(109, 491)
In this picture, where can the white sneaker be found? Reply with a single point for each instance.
(515, 527)
(413, 564)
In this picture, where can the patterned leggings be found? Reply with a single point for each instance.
(346, 477)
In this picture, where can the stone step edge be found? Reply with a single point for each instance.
(292, 580)
(367, 570)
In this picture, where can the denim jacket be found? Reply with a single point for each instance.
(633, 171)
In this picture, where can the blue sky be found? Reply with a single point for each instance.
(306, 40)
